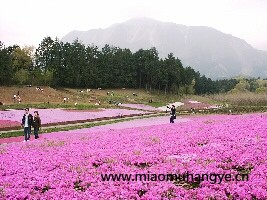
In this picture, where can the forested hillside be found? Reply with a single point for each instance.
(75, 65)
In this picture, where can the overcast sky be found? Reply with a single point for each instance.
(27, 22)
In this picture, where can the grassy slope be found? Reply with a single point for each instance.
(29, 95)
(32, 98)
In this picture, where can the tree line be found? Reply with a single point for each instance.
(75, 65)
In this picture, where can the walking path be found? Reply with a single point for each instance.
(136, 121)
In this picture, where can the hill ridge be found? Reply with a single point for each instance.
(206, 49)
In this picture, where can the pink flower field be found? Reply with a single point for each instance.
(140, 106)
(59, 115)
(8, 123)
(68, 165)
(188, 104)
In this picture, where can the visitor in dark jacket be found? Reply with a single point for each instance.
(36, 124)
(27, 121)
(173, 114)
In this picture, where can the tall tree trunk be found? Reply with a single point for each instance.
(150, 84)
(140, 80)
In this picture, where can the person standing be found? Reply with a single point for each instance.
(173, 114)
(36, 124)
(27, 121)
(14, 98)
(19, 99)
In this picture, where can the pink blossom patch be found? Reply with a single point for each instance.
(68, 165)
(8, 123)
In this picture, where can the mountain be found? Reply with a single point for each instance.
(207, 50)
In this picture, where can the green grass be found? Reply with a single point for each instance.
(248, 109)
(54, 105)
(126, 96)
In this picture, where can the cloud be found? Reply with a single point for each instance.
(29, 21)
